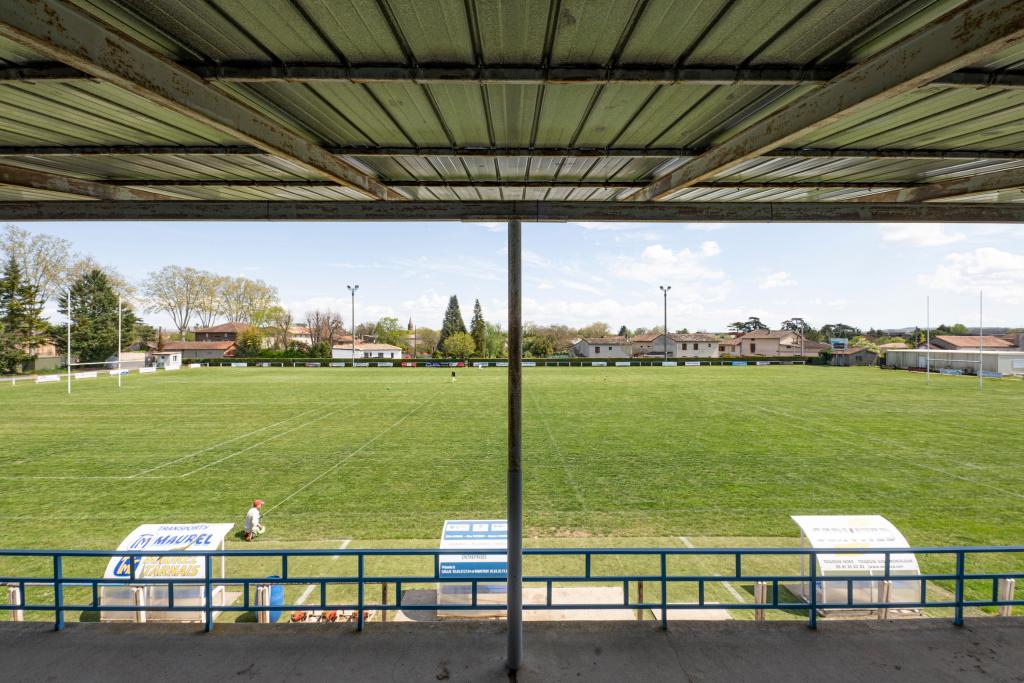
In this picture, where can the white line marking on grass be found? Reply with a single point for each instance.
(309, 589)
(728, 586)
(561, 455)
(349, 456)
(222, 443)
(258, 443)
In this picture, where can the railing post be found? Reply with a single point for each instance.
(640, 600)
(1006, 593)
(812, 589)
(958, 611)
(664, 593)
(359, 589)
(208, 602)
(58, 591)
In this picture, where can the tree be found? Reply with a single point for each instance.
(495, 340)
(249, 343)
(452, 323)
(174, 290)
(478, 329)
(838, 330)
(93, 318)
(389, 331)
(142, 334)
(325, 327)
(22, 327)
(459, 345)
(282, 320)
(45, 260)
(426, 340)
(209, 299)
(624, 332)
(958, 329)
(247, 301)
(537, 347)
(597, 329)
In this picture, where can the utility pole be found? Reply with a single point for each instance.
(353, 290)
(69, 341)
(928, 339)
(664, 293)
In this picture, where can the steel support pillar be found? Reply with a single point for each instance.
(515, 442)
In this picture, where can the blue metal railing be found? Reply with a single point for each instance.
(959, 577)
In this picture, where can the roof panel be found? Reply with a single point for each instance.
(588, 30)
(436, 31)
(512, 110)
(562, 110)
(461, 107)
(512, 31)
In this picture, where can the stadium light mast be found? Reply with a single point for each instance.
(353, 289)
(664, 292)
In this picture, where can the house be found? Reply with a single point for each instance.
(220, 333)
(954, 342)
(856, 356)
(201, 350)
(892, 346)
(300, 334)
(680, 345)
(643, 344)
(167, 360)
(602, 347)
(773, 343)
(366, 350)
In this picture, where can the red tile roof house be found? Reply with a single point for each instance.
(201, 350)
(954, 342)
(771, 343)
(684, 345)
(222, 332)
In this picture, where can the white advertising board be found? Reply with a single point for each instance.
(47, 378)
(622, 364)
(167, 537)
(503, 364)
(479, 365)
(122, 371)
(692, 363)
(86, 375)
(337, 365)
(463, 536)
(385, 365)
(360, 365)
(239, 365)
(858, 532)
(669, 363)
(763, 362)
(598, 364)
(526, 364)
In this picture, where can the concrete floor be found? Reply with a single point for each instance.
(929, 651)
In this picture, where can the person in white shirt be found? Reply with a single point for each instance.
(253, 528)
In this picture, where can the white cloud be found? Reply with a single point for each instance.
(658, 263)
(499, 226)
(920, 234)
(999, 273)
(606, 226)
(778, 279)
(579, 286)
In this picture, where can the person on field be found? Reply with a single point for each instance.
(453, 377)
(253, 528)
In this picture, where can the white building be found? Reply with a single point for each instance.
(168, 360)
(696, 345)
(366, 350)
(602, 347)
(964, 362)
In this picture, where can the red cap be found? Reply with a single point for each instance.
(256, 503)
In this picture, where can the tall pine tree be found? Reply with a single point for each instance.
(22, 328)
(452, 321)
(94, 318)
(478, 328)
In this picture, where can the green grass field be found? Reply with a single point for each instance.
(712, 456)
(613, 452)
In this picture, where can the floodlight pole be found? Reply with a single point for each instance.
(664, 293)
(353, 290)
(514, 656)
(119, 342)
(69, 341)
(928, 339)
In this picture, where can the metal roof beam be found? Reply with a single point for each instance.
(490, 152)
(714, 212)
(39, 180)
(956, 187)
(956, 40)
(506, 183)
(62, 32)
(783, 75)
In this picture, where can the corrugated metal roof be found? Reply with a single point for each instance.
(460, 113)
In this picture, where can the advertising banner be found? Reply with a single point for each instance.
(692, 363)
(86, 375)
(467, 535)
(151, 537)
(622, 364)
(598, 364)
(669, 363)
(739, 363)
(47, 378)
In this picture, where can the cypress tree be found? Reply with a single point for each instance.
(452, 321)
(22, 327)
(94, 318)
(478, 328)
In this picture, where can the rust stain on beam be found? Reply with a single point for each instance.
(23, 177)
(956, 187)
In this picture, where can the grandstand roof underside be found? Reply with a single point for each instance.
(559, 109)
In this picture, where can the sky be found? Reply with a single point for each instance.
(867, 275)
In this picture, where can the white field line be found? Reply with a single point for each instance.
(348, 457)
(222, 443)
(309, 589)
(893, 443)
(728, 586)
(259, 443)
(561, 455)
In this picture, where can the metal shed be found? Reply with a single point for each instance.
(670, 110)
